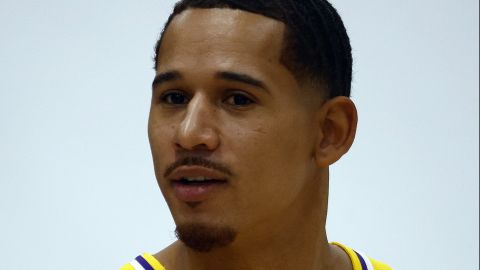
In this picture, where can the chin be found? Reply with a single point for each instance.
(204, 237)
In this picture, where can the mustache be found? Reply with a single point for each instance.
(197, 161)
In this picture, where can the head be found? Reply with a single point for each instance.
(316, 47)
(252, 95)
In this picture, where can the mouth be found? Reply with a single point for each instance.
(196, 184)
(198, 181)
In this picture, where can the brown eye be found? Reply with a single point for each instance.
(239, 100)
(174, 98)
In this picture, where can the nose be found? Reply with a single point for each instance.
(198, 129)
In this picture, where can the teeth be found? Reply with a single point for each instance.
(195, 179)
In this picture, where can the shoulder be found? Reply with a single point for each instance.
(360, 261)
(143, 262)
(164, 259)
(170, 256)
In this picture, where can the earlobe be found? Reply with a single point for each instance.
(336, 131)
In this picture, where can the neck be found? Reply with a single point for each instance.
(295, 240)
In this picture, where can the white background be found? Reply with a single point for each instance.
(77, 189)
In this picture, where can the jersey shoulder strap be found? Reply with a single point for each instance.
(362, 262)
(143, 262)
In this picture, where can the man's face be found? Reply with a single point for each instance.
(222, 97)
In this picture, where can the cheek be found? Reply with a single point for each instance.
(272, 150)
(160, 136)
(271, 164)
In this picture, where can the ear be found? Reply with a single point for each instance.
(338, 124)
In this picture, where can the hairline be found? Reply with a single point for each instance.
(304, 80)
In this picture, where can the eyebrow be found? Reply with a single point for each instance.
(166, 77)
(169, 76)
(242, 78)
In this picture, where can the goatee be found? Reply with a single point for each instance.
(205, 238)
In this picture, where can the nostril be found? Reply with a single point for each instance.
(196, 147)
(198, 137)
(202, 146)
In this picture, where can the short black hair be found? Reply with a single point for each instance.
(316, 44)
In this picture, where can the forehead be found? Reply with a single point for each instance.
(209, 34)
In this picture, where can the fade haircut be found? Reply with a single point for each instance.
(316, 46)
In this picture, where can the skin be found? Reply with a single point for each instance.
(278, 145)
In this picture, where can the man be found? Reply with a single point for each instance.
(250, 107)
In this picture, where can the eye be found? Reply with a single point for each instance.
(174, 98)
(239, 100)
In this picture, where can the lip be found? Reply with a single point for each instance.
(194, 171)
(198, 191)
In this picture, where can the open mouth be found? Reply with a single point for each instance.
(197, 181)
(197, 189)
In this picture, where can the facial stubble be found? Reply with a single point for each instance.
(205, 238)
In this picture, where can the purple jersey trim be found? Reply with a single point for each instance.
(362, 261)
(144, 263)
